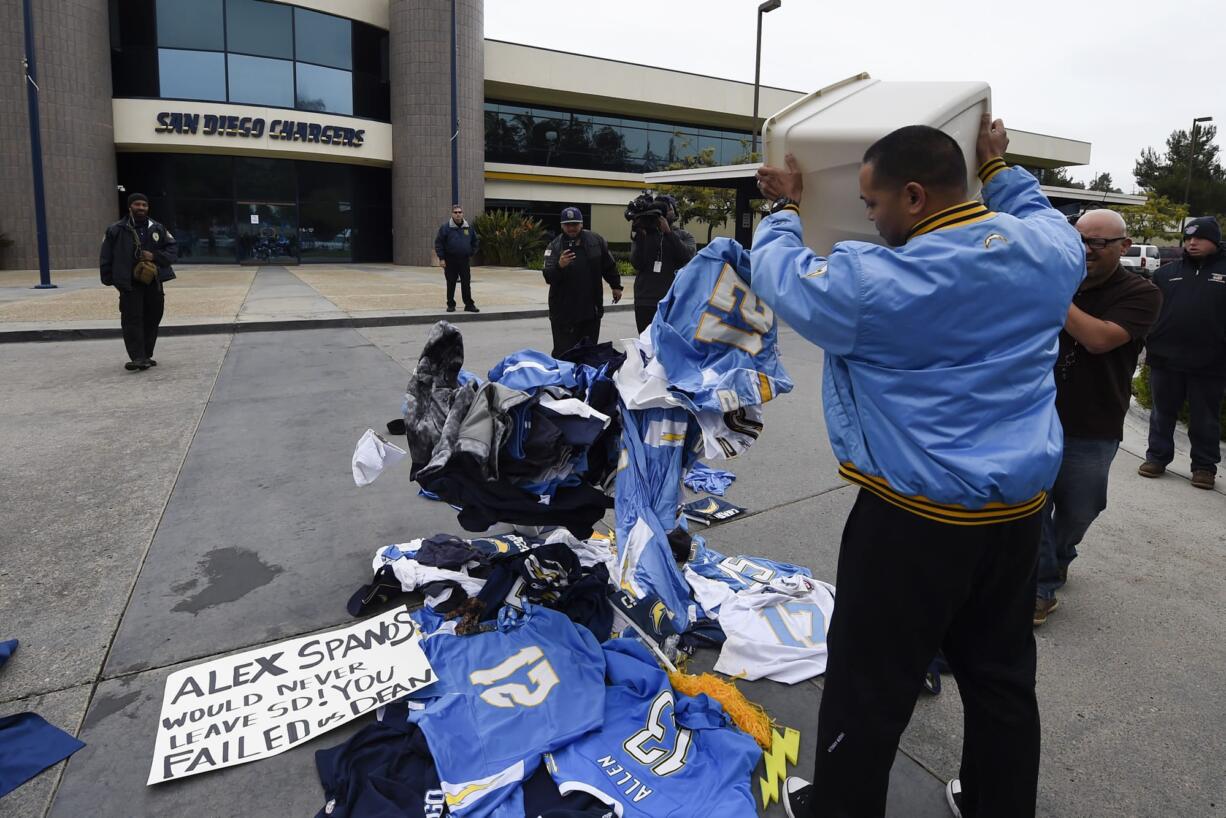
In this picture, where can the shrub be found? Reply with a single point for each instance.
(1140, 389)
(624, 267)
(508, 238)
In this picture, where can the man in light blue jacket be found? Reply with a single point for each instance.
(940, 404)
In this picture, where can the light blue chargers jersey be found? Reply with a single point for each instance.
(534, 684)
(658, 755)
(653, 458)
(740, 572)
(717, 342)
(529, 370)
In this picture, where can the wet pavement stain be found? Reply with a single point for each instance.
(106, 706)
(231, 574)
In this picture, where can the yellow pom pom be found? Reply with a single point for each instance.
(745, 714)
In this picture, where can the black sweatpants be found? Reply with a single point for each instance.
(644, 314)
(1203, 393)
(140, 314)
(458, 269)
(906, 588)
(567, 334)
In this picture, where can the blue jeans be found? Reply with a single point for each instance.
(1078, 497)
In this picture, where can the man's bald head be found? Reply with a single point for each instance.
(1106, 229)
(1102, 220)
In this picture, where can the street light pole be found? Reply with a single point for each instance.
(769, 5)
(1187, 187)
(36, 151)
(455, 116)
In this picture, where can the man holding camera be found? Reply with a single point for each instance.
(575, 262)
(657, 251)
(135, 259)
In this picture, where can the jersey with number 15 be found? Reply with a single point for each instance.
(715, 340)
(508, 696)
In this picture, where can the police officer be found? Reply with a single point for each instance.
(575, 262)
(1187, 353)
(135, 259)
(455, 245)
(657, 251)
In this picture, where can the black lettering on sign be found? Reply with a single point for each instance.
(286, 130)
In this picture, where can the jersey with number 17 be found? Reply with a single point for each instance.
(717, 343)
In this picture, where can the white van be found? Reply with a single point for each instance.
(1141, 258)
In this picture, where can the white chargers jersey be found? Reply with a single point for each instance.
(776, 631)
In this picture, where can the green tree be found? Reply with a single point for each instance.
(1102, 182)
(1166, 174)
(711, 206)
(1058, 177)
(1158, 218)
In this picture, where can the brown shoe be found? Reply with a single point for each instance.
(1203, 479)
(1151, 469)
(1043, 607)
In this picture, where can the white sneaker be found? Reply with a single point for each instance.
(953, 797)
(796, 796)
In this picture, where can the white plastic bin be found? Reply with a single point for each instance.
(829, 131)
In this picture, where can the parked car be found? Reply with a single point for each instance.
(1168, 254)
(1141, 258)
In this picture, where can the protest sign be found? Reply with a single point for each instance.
(263, 702)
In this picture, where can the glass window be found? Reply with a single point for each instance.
(192, 74)
(133, 24)
(371, 97)
(323, 39)
(134, 71)
(261, 81)
(264, 180)
(370, 52)
(325, 231)
(200, 176)
(190, 24)
(204, 230)
(255, 27)
(324, 89)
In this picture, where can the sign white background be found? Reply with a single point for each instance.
(263, 702)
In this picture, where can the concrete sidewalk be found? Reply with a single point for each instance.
(207, 299)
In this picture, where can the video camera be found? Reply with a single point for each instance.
(646, 209)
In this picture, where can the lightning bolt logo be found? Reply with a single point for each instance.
(657, 614)
(785, 749)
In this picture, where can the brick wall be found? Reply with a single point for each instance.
(421, 119)
(73, 54)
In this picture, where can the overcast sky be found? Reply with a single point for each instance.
(1121, 74)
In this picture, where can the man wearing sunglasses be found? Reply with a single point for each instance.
(1187, 353)
(455, 245)
(1107, 322)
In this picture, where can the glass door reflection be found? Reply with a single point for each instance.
(267, 232)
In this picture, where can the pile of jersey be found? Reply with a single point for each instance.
(534, 443)
(550, 702)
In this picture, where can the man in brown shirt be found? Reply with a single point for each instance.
(1102, 338)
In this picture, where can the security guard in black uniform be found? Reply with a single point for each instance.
(575, 262)
(136, 256)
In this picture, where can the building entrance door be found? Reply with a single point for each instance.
(267, 232)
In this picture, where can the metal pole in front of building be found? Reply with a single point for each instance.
(36, 152)
(1187, 187)
(769, 5)
(455, 118)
